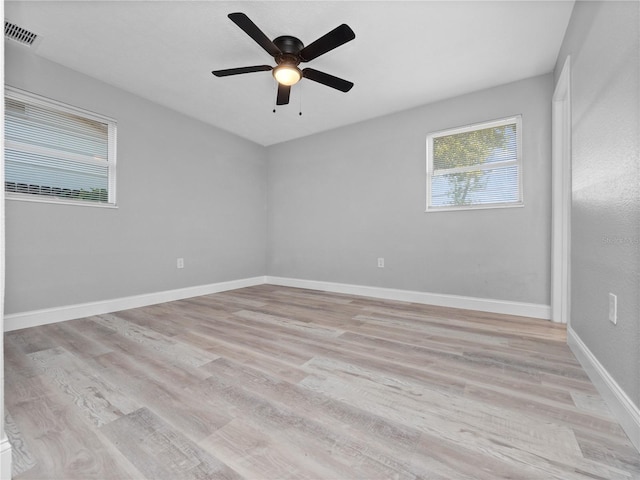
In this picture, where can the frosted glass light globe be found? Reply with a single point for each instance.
(287, 74)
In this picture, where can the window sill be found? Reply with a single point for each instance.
(474, 207)
(55, 200)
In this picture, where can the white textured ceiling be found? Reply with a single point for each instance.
(405, 54)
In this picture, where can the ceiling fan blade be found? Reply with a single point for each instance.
(336, 37)
(251, 29)
(283, 94)
(240, 70)
(326, 79)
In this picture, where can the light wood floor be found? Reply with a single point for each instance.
(270, 382)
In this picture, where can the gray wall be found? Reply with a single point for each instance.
(603, 41)
(340, 199)
(185, 189)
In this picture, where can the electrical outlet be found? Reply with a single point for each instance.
(380, 262)
(613, 308)
(180, 263)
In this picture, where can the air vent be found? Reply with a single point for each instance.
(19, 34)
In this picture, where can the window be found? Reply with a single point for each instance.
(479, 166)
(57, 153)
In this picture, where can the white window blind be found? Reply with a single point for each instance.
(54, 152)
(478, 166)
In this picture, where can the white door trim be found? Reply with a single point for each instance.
(561, 196)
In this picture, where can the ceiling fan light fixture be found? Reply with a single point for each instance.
(286, 74)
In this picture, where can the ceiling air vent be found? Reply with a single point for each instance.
(19, 34)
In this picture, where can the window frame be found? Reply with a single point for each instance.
(41, 101)
(431, 172)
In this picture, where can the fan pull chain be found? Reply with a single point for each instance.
(275, 92)
(300, 98)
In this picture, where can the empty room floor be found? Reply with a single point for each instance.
(271, 382)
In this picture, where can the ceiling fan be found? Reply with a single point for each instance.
(288, 53)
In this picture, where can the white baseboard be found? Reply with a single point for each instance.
(34, 318)
(621, 406)
(442, 300)
(5, 459)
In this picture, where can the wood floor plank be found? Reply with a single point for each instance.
(99, 401)
(245, 356)
(541, 409)
(614, 453)
(21, 457)
(590, 403)
(449, 412)
(270, 382)
(239, 334)
(247, 449)
(62, 443)
(65, 335)
(387, 438)
(164, 319)
(348, 458)
(159, 366)
(162, 453)
(153, 340)
(304, 327)
(154, 388)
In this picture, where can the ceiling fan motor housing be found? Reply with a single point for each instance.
(290, 47)
(288, 44)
